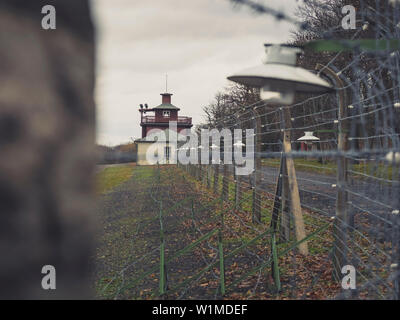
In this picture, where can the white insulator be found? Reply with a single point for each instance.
(393, 158)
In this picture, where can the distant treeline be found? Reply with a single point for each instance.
(118, 154)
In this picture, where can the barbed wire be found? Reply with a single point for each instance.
(347, 193)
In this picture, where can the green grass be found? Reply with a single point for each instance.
(143, 172)
(379, 170)
(120, 227)
(111, 177)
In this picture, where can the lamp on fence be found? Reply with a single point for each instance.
(278, 78)
(308, 141)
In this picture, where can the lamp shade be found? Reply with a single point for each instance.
(279, 77)
(308, 137)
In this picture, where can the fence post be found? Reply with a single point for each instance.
(192, 215)
(158, 173)
(238, 193)
(162, 255)
(221, 255)
(276, 207)
(285, 217)
(341, 221)
(275, 265)
(395, 266)
(208, 175)
(274, 226)
(257, 170)
(221, 263)
(199, 172)
(216, 177)
(225, 185)
(290, 173)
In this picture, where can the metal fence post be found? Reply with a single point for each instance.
(340, 225)
(274, 225)
(238, 193)
(192, 215)
(208, 167)
(162, 288)
(216, 177)
(275, 264)
(221, 263)
(221, 255)
(199, 172)
(285, 216)
(256, 203)
(395, 266)
(225, 185)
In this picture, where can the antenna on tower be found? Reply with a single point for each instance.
(166, 82)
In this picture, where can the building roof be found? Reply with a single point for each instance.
(166, 106)
(159, 137)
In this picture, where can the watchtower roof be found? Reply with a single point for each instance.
(166, 102)
(167, 106)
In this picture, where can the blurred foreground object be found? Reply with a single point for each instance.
(47, 149)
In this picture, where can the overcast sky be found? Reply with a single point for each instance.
(198, 43)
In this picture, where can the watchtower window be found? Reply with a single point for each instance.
(166, 114)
